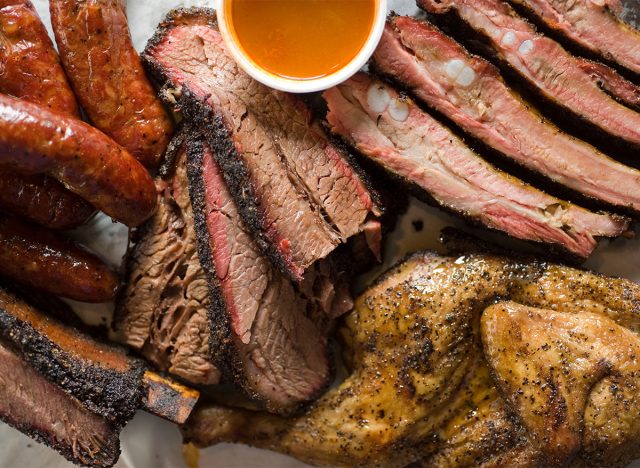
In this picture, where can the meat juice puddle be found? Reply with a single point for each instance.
(301, 39)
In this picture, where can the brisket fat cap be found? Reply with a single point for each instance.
(103, 378)
(163, 308)
(48, 414)
(392, 131)
(299, 194)
(266, 331)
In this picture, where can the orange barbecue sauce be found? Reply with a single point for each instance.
(301, 39)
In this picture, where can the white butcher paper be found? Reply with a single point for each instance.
(150, 442)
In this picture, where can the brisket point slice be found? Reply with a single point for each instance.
(391, 130)
(264, 334)
(296, 191)
(545, 65)
(61, 386)
(163, 308)
(47, 414)
(436, 69)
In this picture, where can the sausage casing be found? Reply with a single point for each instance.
(34, 140)
(42, 200)
(46, 261)
(108, 78)
(29, 66)
(30, 69)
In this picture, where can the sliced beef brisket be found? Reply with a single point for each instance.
(391, 130)
(265, 333)
(592, 25)
(297, 192)
(162, 310)
(202, 296)
(470, 91)
(102, 376)
(545, 65)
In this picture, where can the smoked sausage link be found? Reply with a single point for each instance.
(44, 260)
(108, 78)
(30, 69)
(34, 140)
(42, 200)
(29, 66)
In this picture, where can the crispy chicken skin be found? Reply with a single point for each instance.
(572, 377)
(469, 360)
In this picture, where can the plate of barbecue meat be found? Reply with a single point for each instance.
(432, 263)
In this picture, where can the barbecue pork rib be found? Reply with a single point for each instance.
(297, 192)
(202, 299)
(392, 131)
(594, 26)
(69, 390)
(613, 83)
(541, 62)
(470, 91)
(443, 374)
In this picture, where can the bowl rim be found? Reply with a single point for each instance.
(303, 86)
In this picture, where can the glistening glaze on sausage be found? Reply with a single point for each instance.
(108, 78)
(29, 65)
(48, 262)
(42, 200)
(34, 140)
(30, 69)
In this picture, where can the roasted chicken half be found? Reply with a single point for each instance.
(469, 360)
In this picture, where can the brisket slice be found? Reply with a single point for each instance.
(470, 91)
(162, 310)
(46, 413)
(391, 130)
(297, 192)
(102, 377)
(266, 332)
(591, 25)
(552, 71)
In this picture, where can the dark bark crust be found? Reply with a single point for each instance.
(216, 132)
(107, 457)
(234, 170)
(220, 338)
(112, 394)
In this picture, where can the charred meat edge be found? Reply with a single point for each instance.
(110, 446)
(111, 393)
(221, 339)
(234, 169)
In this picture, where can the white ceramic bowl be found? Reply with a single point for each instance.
(302, 86)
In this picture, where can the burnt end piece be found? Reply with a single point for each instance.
(101, 377)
